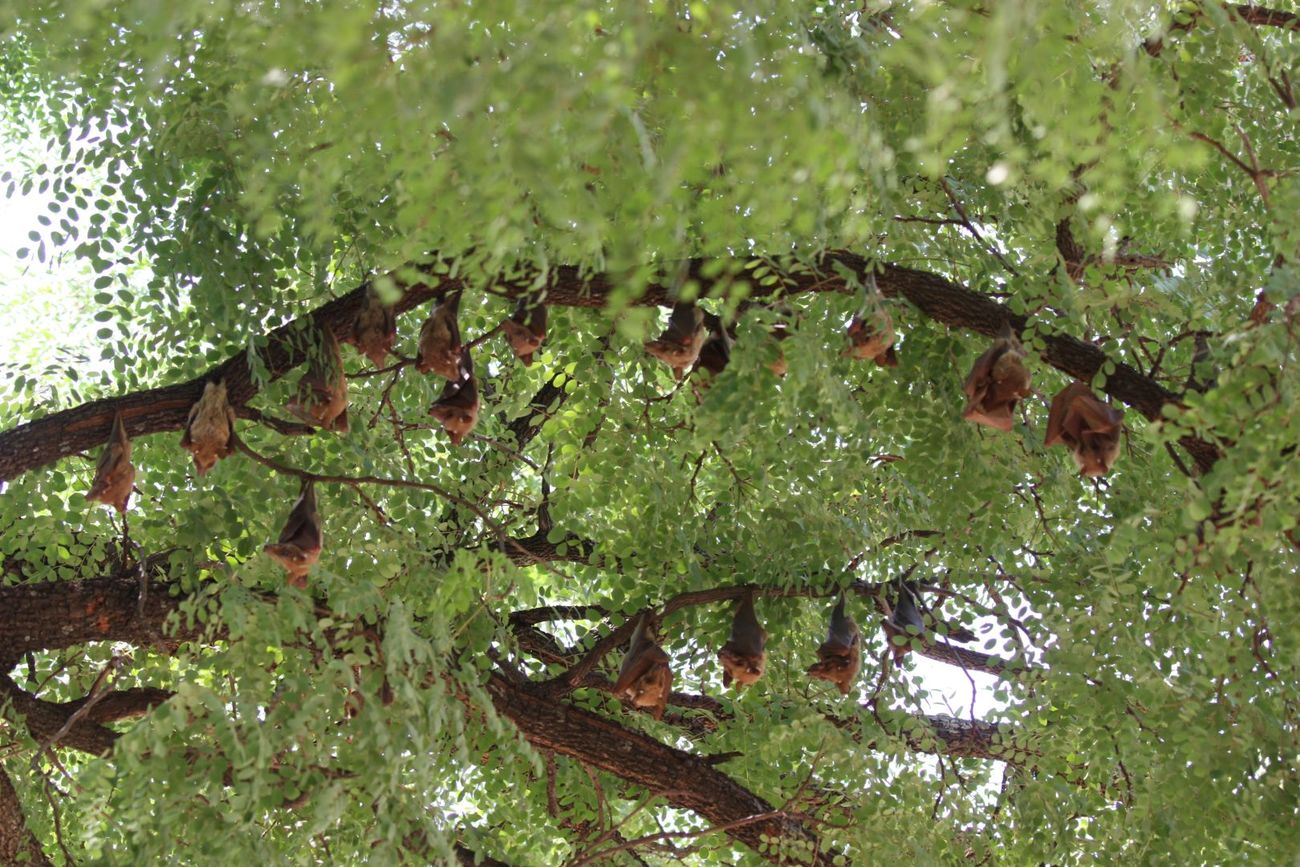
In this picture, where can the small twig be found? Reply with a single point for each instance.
(353, 481)
(279, 425)
(484, 337)
(97, 692)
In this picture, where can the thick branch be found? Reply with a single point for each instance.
(45, 719)
(643, 761)
(17, 843)
(53, 615)
(1256, 16)
(157, 410)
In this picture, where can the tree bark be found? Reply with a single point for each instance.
(15, 838)
(157, 410)
(685, 781)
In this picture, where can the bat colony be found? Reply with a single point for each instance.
(693, 339)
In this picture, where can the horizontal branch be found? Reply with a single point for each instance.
(86, 427)
(44, 720)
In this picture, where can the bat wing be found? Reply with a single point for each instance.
(1056, 416)
(977, 381)
(637, 666)
(1097, 416)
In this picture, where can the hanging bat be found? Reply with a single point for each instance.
(114, 474)
(375, 329)
(716, 349)
(526, 329)
(457, 407)
(209, 428)
(440, 346)
(743, 657)
(905, 619)
(298, 547)
(868, 342)
(996, 381)
(1089, 429)
(780, 333)
(680, 344)
(1263, 309)
(840, 656)
(322, 397)
(645, 678)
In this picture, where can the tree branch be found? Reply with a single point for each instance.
(645, 762)
(86, 427)
(18, 845)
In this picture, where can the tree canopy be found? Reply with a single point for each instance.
(1110, 189)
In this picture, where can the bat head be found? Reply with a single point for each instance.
(291, 555)
(457, 421)
(676, 354)
(1096, 453)
(838, 670)
(523, 340)
(743, 668)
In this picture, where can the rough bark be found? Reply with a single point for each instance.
(86, 427)
(685, 781)
(53, 615)
(16, 840)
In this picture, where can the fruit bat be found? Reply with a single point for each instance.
(114, 474)
(1263, 308)
(715, 352)
(526, 329)
(210, 428)
(680, 344)
(645, 678)
(996, 381)
(777, 365)
(298, 547)
(440, 346)
(1088, 427)
(873, 342)
(905, 614)
(322, 397)
(375, 329)
(840, 656)
(743, 657)
(457, 407)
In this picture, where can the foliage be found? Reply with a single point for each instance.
(1121, 173)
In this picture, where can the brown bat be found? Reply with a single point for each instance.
(779, 333)
(1263, 309)
(873, 342)
(743, 657)
(322, 397)
(840, 656)
(457, 407)
(996, 382)
(298, 547)
(906, 620)
(114, 474)
(645, 678)
(375, 329)
(210, 428)
(440, 346)
(526, 329)
(1088, 427)
(680, 344)
(715, 352)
